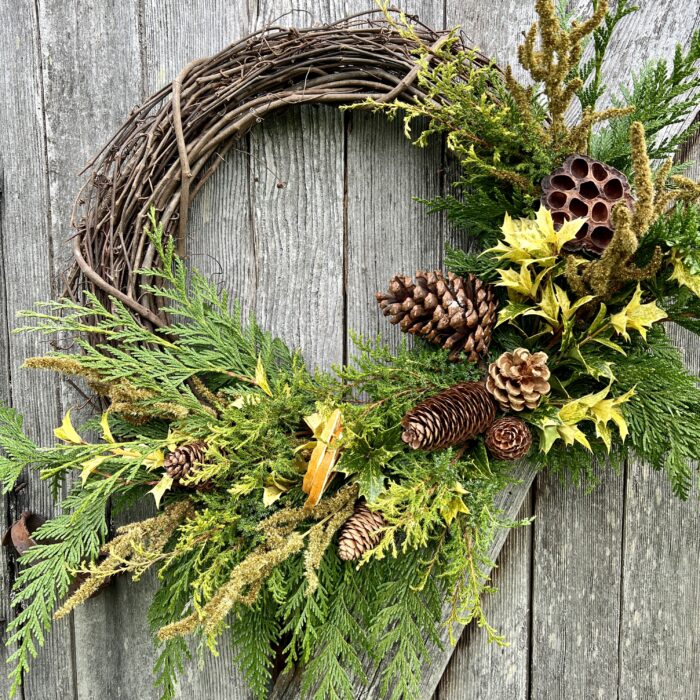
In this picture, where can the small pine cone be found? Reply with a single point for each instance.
(360, 533)
(454, 312)
(518, 379)
(180, 462)
(583, 188)
(449, 418)
(508, 439)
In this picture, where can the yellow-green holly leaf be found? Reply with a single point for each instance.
(160, 488)
(67, 432)
(526, 241)
(511, 312)
(261, 377)
(637, 316)
(521, 282)
(154, 460)
(571, 434)
(567, 309)
(452, 507)
(90, 465)
(683, 276)
(547, 306)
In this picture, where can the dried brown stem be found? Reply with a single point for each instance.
(169, 146)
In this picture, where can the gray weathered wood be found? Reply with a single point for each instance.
(89, 84)
(27, 260)
(660, 589)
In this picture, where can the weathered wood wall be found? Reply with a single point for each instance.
(599, 598)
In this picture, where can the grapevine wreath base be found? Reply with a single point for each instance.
(323, 518)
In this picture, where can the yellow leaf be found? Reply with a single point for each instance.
(526, 241)
(126, 452)
(548, 307)
(160, 488)
(67, 432)
(324, 456)
(451, 508)
(154, 460)
(246, 400)
(270, 494)
(90, 465)
(682, 275)
(275, 486)
(106, 432)
(637, 316)
(261, 377)
(571, 434)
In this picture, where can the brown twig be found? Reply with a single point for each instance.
(175, 141)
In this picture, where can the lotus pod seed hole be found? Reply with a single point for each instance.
(589, 190)
(557, 200)
(579, 168)
(582, 232)
(559, 218)
(613, 189)
(599, 212)
(598, 172)
(563, 182)
(601, 236)
(578, 208)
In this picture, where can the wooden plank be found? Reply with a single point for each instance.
(219, 243)
(90, 84)
(27, 253)
(660, 611)
(479, 669)
(6, 567)
(578, 579)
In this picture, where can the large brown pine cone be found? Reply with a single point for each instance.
(583, 188)
(449, 418)
(179, 463)
(508, 438)
(518, 379)
(360, 533)
(457, 313)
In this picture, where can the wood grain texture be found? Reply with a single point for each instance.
(91, 77)
(479, 669)
(29, 274)
(660, 592)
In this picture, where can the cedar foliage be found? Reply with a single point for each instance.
(215, 378)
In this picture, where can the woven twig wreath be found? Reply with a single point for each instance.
(172, 144)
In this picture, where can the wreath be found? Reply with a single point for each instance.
(327, 515)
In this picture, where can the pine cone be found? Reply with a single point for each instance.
(449, 418)
(518, 379)
(508, 439)
(584, 188)
(457, 313)
(360, 533)
(180, 462)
